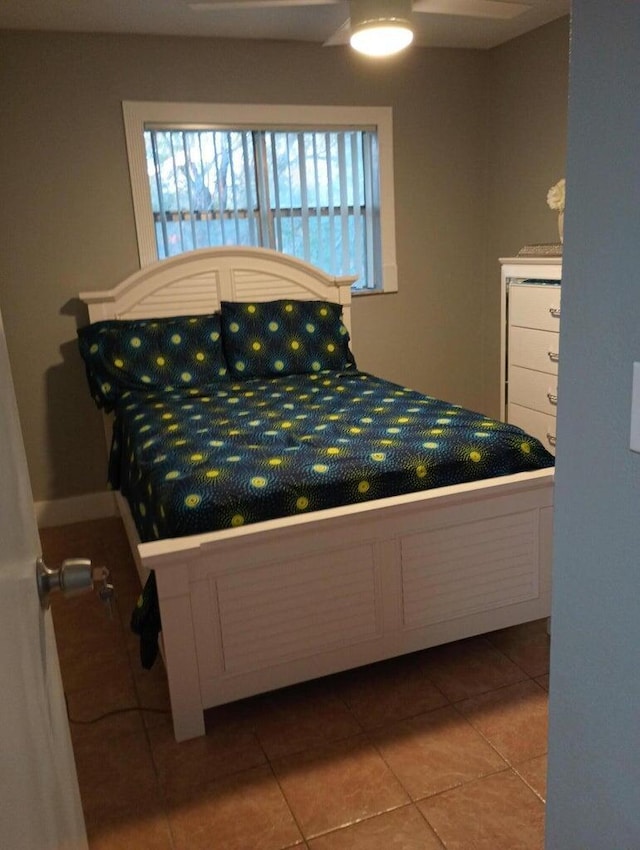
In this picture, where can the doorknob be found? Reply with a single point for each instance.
(75, 575)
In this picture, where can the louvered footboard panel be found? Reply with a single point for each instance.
(477, 566)
(285, 611)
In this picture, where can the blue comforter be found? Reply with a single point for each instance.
(193, 461)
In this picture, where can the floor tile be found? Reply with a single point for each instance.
(512, 719)
(67, 541)
(89, 661)
(91, 645)
(110, 708)
(389, 691)
(226, 749)
(126, 595)
(470, 667)
(401, 829)
(337, 785)
(527, 645)
(301, 718)
(494, 813)
(534, 773)
(116, 776)
(243, 812)
(140, 830)
(436, 751)
(103, 541)
(84, 613)
(153, 695)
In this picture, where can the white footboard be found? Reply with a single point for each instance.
(252, 609)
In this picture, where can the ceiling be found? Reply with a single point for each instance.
(310, 21)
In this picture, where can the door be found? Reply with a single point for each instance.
(39, 797)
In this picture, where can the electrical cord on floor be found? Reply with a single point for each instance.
(112, 713)
(112, 603)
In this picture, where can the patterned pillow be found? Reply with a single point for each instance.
(284, 337)
(151, 354)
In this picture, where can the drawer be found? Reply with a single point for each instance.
(536, 390)
(539, 425)
(534, 349)
(532, 306)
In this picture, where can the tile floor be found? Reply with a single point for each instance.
(444, 748)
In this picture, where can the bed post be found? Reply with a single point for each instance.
(179, 651)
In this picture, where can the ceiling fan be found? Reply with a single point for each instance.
(389, 22)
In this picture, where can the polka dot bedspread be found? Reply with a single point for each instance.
(194, 460)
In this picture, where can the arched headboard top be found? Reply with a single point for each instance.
(197, 281)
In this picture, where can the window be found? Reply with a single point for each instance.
(310, 194)
(314, 182)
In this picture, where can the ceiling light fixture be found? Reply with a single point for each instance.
(381, 27)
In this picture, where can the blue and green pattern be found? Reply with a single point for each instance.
(241, 452)
(151, 354)
(284, 337)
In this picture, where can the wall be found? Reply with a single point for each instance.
(69, 223)
(527, 137)
(594, 761)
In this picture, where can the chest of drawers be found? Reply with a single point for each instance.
(531, 345)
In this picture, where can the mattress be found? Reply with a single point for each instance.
(199, 460)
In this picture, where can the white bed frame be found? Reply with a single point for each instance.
(250, 609)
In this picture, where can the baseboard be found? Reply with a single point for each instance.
(75, 509)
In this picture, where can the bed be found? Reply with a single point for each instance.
(304, 579)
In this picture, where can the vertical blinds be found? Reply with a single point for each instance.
(310, 194)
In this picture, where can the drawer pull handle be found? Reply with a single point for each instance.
(553, 356)
(553, 399)
(555, 312)
(551, 438)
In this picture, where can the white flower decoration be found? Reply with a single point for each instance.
(555, 196)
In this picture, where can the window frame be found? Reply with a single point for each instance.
(137, 114)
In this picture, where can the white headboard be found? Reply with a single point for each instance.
(197, 281)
